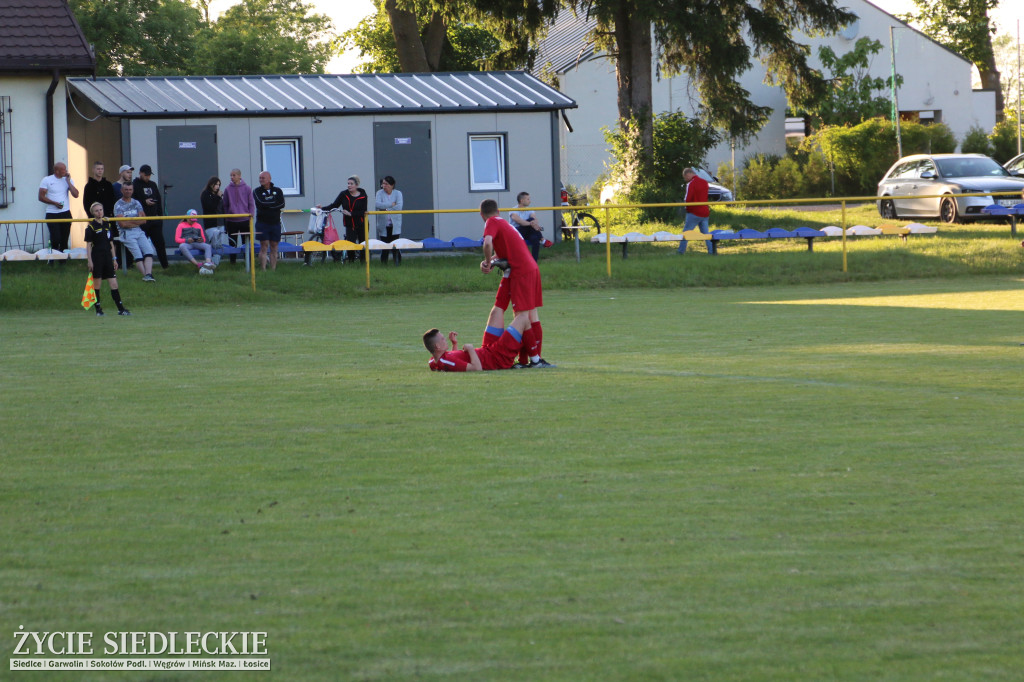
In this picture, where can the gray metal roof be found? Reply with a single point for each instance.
(567, 43)
(348, 94)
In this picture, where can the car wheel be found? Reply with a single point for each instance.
(947, 210)
(887, 210)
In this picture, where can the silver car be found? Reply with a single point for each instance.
(933, 181)
(1015, 166)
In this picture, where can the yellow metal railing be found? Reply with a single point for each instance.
(605, 208)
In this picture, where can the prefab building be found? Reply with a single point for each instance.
(450, 140)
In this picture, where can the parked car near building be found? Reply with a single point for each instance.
(932, 183)
(716, 190)
(1015, 166)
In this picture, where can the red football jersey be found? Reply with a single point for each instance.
(509, 244)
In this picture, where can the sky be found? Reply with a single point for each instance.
(347, 13)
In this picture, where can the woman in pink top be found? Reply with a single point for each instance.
(190, 235)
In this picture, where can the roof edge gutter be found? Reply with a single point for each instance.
(49, 118)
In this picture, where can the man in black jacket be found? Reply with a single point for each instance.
(99, 189)
(269, 202)
(148, 194)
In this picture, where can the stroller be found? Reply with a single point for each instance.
(320, 229)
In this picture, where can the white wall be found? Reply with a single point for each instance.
(28, 125)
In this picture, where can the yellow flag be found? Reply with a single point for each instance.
(89, 295)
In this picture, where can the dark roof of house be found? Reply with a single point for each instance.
(42, 35)
(345, 94)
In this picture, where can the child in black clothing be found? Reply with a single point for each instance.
(99, 244)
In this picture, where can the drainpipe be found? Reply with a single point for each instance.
(49, 119)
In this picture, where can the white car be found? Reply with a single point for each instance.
(1015, 166)
(932, 183)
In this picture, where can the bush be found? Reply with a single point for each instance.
(817, 178)
(1004, 138)
(645, 192)
(976, 142)
(863, 153)
(756, 181)
(726, 175)
(789, 180)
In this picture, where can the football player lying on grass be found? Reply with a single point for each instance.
(501, 354)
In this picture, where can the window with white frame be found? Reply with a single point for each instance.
(487, 162)
(282, 158)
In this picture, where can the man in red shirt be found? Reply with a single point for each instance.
(520, 283)
(501, 354)
(696, 216)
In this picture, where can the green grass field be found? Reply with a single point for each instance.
(809, 482)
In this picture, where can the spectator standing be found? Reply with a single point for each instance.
(148, 194)
(269, 203)
(238, 198)
(124, 176)
(101, 257)
(353, 203)
(132, 235)
(696, 216)
(389, 227)
(98, 188)
(53, 191)
(213, 202)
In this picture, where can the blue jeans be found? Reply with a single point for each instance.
(693, 221)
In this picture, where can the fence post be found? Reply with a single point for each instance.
(252, 251)
(844, 235)
(608, 241)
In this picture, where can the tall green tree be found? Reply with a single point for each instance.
(713, 42)
(267, 36)
(465, 47)
(140, 37)
(176, 37)
(964, 26)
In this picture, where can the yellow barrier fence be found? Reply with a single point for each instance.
(605, 208)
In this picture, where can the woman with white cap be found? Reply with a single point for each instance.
(190, 235)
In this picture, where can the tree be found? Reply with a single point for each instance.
(267, 36)
(1005, 47)
(713, 42)
(466, 47)
(678, 142)
(140, 37)
(853, 95)
(964, 27)
(175, 37)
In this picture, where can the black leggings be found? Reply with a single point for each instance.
(388, 239)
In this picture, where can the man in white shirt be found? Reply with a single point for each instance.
(53, 191)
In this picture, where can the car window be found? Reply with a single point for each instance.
(903, 171)
(913, 169)
(1016, 165)
(970, 167)
(923, 167)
